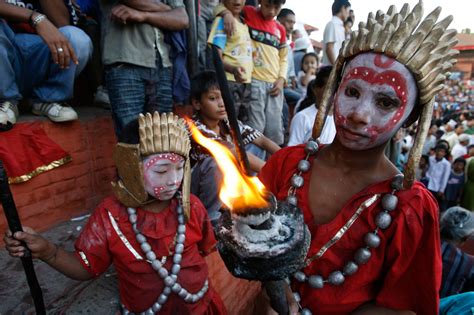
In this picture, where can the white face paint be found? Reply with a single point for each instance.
(163, 174)
(375, 97)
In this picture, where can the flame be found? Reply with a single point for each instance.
(238, 191)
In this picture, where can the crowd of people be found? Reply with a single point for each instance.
(277, 82)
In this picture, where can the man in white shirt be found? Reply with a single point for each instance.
(438, 173)
(302, 124)
(334, 32)
(460, 148)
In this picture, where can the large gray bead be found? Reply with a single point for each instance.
(167, 291)
(149, 312)
(180, 238)
(132, 218)
(316, 282)
(176, 288)
(156, 307)
(145, 247)
(306, 311)
(177, 258)
(150, 256)
(311, 147)
(336, 278)
(175, 269)
(182, 229)
(350, 268)
(169, 281)
(397, 182)
(188, 298)
(297, 297)
(300, 276)
(163, 272)
(141, 238)
(156, 265)
(292, 200)
(362, 256)
(372, 240)
(383, 220)
(179, 248)
(389, 202)
(181, 219)
(162, 299)
(182, 293)
(297, 181)
(304, 165)
(131, 211)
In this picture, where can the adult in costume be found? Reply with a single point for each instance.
(375, 245)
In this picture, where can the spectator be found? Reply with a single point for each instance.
(420, 172)
(301, 46)
(137, 60)
(270, 66)
(456, 226)
(452, 132)
(460, 148)
(438, 173)
(211, 120)
(468, 195)
(454, 188)
(334, 33)
(204, 25)
(347, 27)
(302, 124)
(470, 152)
(307, 73)
(40, 56)
(236, 54)
(430, 141)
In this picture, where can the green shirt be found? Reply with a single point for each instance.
(133, 43)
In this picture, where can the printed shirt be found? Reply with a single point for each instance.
(404, 272)
(36, 6)
(270, 46)
(99, 245)
(199, 153)
(458, 270)
(236, 50)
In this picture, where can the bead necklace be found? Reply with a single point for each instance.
(371, 239)
(169, 278)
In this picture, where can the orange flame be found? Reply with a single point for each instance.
(238, 191)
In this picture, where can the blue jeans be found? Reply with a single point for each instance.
(26, 67)
(135, 89)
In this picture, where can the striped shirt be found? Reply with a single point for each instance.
(458, 270)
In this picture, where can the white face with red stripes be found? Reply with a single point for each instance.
(163, 174)
(376, 95)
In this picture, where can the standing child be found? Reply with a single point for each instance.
(270, 66)
(420, 172)
(211, 120)
(454, 188)
(236, 53)
(152, 230)
(309, 66)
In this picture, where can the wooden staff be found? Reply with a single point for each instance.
(230, 109)
(14, 224)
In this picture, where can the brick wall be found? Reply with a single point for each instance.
(76, 187)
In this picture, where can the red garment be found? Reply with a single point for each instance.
(139, 284)
(404, 273)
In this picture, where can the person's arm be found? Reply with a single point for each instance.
(147, 5)
(330, 52)
(256, 164)
(52, 37)
(229, 20)
(445, 178)
(279, 84)
(56, 11)
(58, 258)
(173, 20)
(266, 144)
(308, 77)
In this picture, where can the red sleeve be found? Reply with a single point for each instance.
(207, 243)
(413, 260)
(283, 42)
(92, 244)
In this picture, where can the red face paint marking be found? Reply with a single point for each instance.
(383, 64)
(389, 77)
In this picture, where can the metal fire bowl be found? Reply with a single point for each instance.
(271, 265)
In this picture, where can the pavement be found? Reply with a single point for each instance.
(61, 295)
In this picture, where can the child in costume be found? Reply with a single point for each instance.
(375, 246)
(153, 231)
